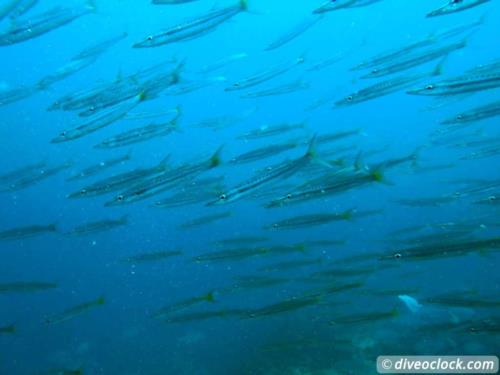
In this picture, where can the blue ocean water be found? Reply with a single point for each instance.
(123, 336)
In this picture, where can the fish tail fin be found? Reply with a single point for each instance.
(347, 214)
(10, 329)
(215, 160)
(312, 154)
(481, 20)
(163, 164)
(100, 300)
(52, 227)
(79, 371)
(176, 73)
(378, 174)
(209, 297)
(438, 69)
(414, 157)
(394, 312)
(124, 219)
(244, 5)
(359, 164)
(301, 247)
(311, 148)
(91, 5)
(176, 119)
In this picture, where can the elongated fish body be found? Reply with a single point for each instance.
(137, 135)
(293, 33)
(278, 90)
(282, 171)
(332, 5)
(154, 185)
(101, 121)
(62, 371)
(98, 226)
(26, 287)
(415, 60)
(150, 80)
(193, 28)
(433, 39)
(17, 94)
(21, 172)
(164, 181)
(443, 250)
(232, 254)
(184, 304)
(283, 307)
(36, 176)
(190, 196)
(65, 71)
(491, 200)
(265, 75)
(365, 318)
(152, 257)
(460, 85)
(119, 181)
(343, 185)
(24, 232)
(381, 89)
(308, 220)
(479, 113)
(7, 6)
(8, 330)
(96, 169)
(223, 62)
(208, 219)
(454, 6)
(263, 152)
(74, 311)
(98, 49)
(269, 131)
(171, 2)
(22, 7)
(41, 24)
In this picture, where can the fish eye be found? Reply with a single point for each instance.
(63, 134)
(398, 256)
(289, 196)
(275, 225)
(492, 198)
(237, 84)
(460, 117)
(429, 87)
(349, 98)
(150, 38)
(119, 198)
(83, 191)
(375, 71)
(223, 197)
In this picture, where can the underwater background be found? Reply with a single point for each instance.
(395, 246)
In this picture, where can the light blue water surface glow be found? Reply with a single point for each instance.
(121, 337)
